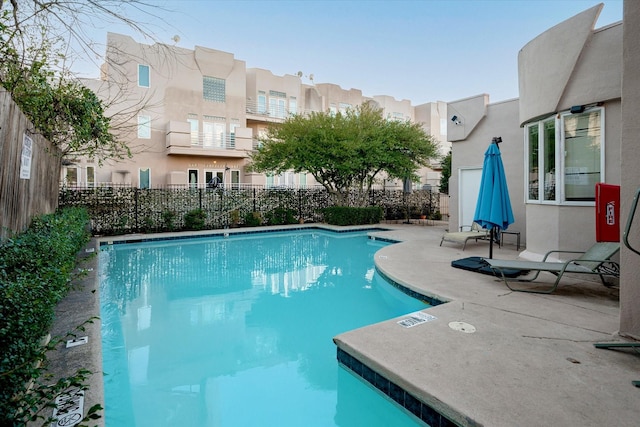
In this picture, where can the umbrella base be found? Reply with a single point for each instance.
(479, 265)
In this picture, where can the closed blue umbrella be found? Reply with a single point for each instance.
(493, 210)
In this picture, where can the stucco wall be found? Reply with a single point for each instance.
(630, 262)
(499, 119)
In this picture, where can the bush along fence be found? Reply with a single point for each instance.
(37, 268)
(123, 210)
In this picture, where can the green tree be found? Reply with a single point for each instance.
(446, 173)
(344, 152)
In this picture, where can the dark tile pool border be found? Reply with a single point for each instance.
(396, 393)
(417, 295)
(116, 240)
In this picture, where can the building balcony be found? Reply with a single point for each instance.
(268, 113)
(181, 141)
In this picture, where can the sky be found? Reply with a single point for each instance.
(420, 50)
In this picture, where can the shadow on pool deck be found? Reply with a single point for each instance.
(530, 361)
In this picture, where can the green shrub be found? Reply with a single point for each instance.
(345, 215)
(280, 216)
(253, 219)
(36, 268)
(168, 218)
(194, 220)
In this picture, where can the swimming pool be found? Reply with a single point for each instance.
(238, 331)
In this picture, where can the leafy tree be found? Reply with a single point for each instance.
(38, 39)
(446, 173)
(344, 152)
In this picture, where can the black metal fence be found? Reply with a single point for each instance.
(122, 210)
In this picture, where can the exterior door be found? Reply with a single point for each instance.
(468, 195)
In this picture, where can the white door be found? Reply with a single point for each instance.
(468, 195)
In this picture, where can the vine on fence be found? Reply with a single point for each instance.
(123, 210)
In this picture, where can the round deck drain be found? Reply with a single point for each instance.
(462, 327)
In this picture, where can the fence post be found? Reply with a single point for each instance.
(254, 200)
(200, 198)
(136, 208)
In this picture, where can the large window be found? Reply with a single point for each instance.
(277, 104)
(143, 76)
(213, 89)
(144, 127)
(565, 157)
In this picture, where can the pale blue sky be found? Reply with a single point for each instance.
(421, 50)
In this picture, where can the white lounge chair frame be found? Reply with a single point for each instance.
(475, 232)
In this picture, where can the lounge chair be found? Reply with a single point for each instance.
(597, 260)
(475, 232)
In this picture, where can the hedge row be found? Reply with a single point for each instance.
(344, 215)
(35, 273)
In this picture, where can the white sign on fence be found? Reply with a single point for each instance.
(25, 165)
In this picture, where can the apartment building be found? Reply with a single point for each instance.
(192, 115)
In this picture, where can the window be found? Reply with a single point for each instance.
(71, 176)
(565, 157)
(293, 106)
(235, 179)
(582, 135)
(277, 104)
(143, 76)
(208, 131)
(213, 89)
(344, 107)
(194, 126)
(144, 127)
(262, 102)
(193, 178)
(232, 135)
(332, 109)
(144, 178)
(91, 176)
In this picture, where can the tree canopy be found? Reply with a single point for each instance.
(346, 151)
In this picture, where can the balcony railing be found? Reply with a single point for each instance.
(277, 112)
(215, 142)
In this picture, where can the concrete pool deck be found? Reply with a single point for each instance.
(530, 361)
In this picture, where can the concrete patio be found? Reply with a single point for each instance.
(530, 361)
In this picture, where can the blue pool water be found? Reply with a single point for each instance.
(238, 331)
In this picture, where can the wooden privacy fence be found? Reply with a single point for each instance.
(121, 210)
(29, 170)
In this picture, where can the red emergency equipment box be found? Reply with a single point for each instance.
(607, 212)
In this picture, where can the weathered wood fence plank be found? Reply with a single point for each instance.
(22, 199)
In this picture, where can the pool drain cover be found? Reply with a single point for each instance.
(462, 327)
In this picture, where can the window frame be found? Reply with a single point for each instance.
(148, 75)
(558, 158)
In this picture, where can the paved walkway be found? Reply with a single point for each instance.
(530, 361)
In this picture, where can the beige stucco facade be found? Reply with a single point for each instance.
(477, 123)
(565, 74)
(195, 114)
